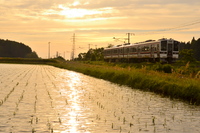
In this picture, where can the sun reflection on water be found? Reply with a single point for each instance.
(74, 101)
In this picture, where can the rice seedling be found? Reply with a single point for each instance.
(14, 113)
(7, 96)
(153, 120)
(49, 125)
(173, 117)
(165, 122)
(131, 124)
(145, 124)
(119, 118)
(33, 130)
(36, 120)
(35, 106)
(1, 102)
(31, 121)
(59, 120)
(124, 120)
(66, 102)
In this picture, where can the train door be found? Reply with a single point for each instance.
(153, 48)
(169, 50)
(138, 51)
(158, 52)
(152, 51)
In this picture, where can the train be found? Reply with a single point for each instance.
(162, 50)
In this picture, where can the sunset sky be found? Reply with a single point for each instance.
(38, 22)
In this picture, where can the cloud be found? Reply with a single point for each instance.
(94, 9)
(37, 21)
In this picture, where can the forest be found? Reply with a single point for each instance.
(193, 47)
(15, 49)
(190, 49)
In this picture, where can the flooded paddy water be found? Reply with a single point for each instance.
(40, 98)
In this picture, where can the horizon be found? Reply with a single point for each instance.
(95, 23)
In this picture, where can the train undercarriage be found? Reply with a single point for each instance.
(138, 60)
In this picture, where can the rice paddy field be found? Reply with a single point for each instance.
(46, 99)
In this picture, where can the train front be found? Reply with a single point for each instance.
(169, 51)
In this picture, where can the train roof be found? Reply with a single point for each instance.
(140, 43)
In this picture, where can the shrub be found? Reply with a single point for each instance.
(167, 68)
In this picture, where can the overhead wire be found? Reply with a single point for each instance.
(180, 27)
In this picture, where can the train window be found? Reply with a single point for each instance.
(164, 46)
(120, 51)
(153, 48)
(133, 49)
(175, 46)
(138, 49)
(127, 50)
(158, 47)
(142, 49)
(146, 48)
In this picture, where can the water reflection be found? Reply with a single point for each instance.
(73, 91)
(73, 98)
(48, 99)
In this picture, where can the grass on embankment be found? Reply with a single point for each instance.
(170, 85)
(26, 60)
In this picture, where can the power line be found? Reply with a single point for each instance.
(173, 28)
(128, 38)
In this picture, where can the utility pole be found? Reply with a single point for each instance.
(129, 34)
(129, 38)
(57, 54)
(73, 47)
(49, 51)
(89, 45)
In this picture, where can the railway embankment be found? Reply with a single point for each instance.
(173, 85)
(26, 60)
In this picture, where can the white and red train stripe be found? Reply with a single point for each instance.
(166, 50)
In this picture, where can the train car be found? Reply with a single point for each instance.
(165, 50)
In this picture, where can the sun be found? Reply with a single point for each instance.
(77, 13)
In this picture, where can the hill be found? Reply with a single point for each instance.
(15, 50)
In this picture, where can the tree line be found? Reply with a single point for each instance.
(189, 51)
(15, 49)
(91, 55)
